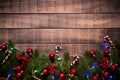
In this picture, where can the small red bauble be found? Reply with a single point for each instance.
(106, 52)
(51, 56)
(94, 77)
(19, 75)
(73, 71)
(18, 68)
(62, 76)
(29, 51)
(92, 53)
(4, 47)
(113, 67)
(106, 74)
(45, 71)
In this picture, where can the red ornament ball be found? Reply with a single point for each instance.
(106, 74)
(94, 77)
(51, 56)
(19, 75)
(106, 52)
(92, 53)
(73, 71)
(62, 76)
(18, 68)
(113, 67)
(4, 47)
(44, 72)
(29, 51)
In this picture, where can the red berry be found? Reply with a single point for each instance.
(113, 67)
(62, 76)
(106, 74)
(45, 71)
(19, 75)
(52, 72)
(3, 47)
(92, 53)
(18, 68)
(51, 56)
(51, 66)
(94, 77)
(106, 52)
(73, 71)
(29, 51)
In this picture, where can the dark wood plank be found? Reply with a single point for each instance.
(60, 6)
(63, 21)
(71, 48)
(3, 35)
(61, 36)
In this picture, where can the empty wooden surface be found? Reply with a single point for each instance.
(59, 6)
(77, 25)
(62, 21)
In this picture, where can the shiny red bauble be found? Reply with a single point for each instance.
(19, 75)
(62, 76)
(73, 71)
(113, 67)
(92, 53)
(94, 78)
(105, 74)
(29, 51)
(18, 68)
(45, 71)
(3, 47)
(106, 52)
(51, 56)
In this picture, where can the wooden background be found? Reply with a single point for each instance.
(77, 25)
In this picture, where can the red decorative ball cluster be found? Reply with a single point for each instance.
(104, 64)
(92, 53)
(52, 69)
(23, 61)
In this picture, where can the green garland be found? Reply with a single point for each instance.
(87, 66)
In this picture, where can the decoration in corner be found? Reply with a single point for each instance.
(23, 61)
(5, 49)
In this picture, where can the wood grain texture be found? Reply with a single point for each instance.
(77, 25)
(59, 6)
(71, 48)
(61, 36)
(63, 21)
